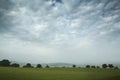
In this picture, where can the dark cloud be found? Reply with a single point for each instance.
(5, 20)
(117, 19)
(87, 12)
(55, 29)
(6, 4)
(110, 7)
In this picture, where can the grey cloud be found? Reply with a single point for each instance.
(5, 20)
(58, 19)
(6, 4)
(60, 28)
(110, 7)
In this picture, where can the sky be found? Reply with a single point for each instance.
(68, 31)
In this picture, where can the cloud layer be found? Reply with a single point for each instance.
(60, 28)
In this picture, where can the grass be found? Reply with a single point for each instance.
(8, 73)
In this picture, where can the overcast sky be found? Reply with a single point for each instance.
(70, 31)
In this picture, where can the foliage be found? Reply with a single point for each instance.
(87, 66)
(116, 67)
(47, 66)
(97, 67)
(93, 66)
(28, 65)
(104, 66)
(39, 66)
(15, 65)
(74, 66)
(110, 66)
(5, 63)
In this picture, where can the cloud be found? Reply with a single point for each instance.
(71, 18)
(5, 20)
(79, 25)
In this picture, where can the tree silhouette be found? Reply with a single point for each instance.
(104, 66)
(110, 66)
(87, 66)
(39, 66)
(116, 67)
(63, 67)
(93, 66)
(15, 65)
(97, 67)
(5, 63)
(28, 65)
(74, 66)
(47, 66)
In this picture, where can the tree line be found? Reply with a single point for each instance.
(104, 66)
(7, 63)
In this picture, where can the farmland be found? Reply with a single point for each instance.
(9, 73)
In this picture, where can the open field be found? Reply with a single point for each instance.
(58, 74)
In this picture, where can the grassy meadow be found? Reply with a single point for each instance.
(9, 73)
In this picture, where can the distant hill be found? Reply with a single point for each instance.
(60, 64)
(44, 64)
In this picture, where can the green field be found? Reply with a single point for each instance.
(58, 74)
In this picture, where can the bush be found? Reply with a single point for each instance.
(116, 67)
(5, 63)
(87, 66)
(93, 67)
(39, 66)
(104, 66)
(110, 66)
(28, 65)
(98, 67)
(15, 65)
(74, 66)
(47, 66)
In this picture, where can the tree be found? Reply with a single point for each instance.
(104, 66)
(110, 66)
(5, 63)
(87, 66)
(116, 67)
(47, 66)
(74, 66)
(63, 67)
(28, 65)
(39, 66)
(15, 65)
(93, 66)
(97, 67)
